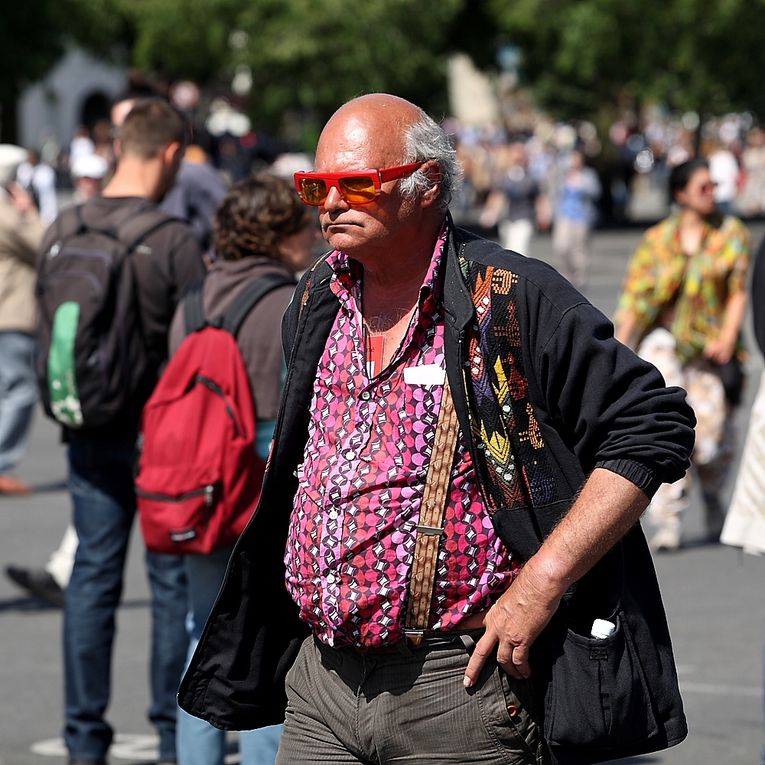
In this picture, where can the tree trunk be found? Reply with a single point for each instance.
(9, 97)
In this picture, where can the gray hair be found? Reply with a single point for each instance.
(425, 140)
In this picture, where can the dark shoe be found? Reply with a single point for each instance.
(87, 762)
(11, 485)
(40, 584)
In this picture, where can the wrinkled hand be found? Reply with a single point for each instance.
(512, 624)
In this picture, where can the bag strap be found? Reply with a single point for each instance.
(246, 300)
(193, 309)
(133, 231)
(430, 527)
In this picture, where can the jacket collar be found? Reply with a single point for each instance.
(458, 304)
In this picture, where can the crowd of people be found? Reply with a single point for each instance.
(459, 448)
(635, 156)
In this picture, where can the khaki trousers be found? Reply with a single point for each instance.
(404, 707)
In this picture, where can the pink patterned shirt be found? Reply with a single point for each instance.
(352, 530)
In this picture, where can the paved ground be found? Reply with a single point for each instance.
(714, 598)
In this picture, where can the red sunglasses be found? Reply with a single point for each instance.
(357, 187)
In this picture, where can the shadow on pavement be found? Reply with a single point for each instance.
(35, 605)
(39, 488)
(45, 488)
(26, 605)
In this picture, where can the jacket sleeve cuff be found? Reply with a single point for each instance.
(644, 478)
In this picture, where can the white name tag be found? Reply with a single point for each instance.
(427, 374)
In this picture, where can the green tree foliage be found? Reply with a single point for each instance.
(306, 56)
(581, 58)
(314, 55)
(584, 56)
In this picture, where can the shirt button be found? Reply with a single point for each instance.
(366, 395)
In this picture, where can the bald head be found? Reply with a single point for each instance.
(383, 110)
(381, 130)
(369, 130)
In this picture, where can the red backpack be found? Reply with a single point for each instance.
(199, 475)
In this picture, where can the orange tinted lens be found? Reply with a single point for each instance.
(358, 189)
(313, 190)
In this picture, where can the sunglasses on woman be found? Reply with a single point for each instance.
(357, 187)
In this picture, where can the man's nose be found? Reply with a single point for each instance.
(335, 200)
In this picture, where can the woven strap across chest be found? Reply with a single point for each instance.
(430, 527)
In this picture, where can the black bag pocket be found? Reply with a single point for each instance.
(597, 695)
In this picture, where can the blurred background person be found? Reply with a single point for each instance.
(198, 189)
(512, 202)
(261, 228)
(682, 306)
(20, 234)
(81, 145)
(724, 171)
(88, 174)
(49, 583)
(194, 202)
(751, 200)
(745, 521)
(575, 215)
(39, 180)
(196, 194)
(101, 456)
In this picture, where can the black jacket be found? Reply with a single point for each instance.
(572, 399)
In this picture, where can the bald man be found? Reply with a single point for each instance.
(461, 440)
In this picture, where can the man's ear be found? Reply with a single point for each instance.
(172, 153)
(433, 172)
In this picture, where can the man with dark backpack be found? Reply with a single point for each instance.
(109, 277)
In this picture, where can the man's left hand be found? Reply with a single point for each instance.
(512, 624)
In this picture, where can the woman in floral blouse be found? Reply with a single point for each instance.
(682, 307)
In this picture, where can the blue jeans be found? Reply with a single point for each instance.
(101, 485)
(199, 743)
(18, 394)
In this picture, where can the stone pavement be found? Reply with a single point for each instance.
(714, 599)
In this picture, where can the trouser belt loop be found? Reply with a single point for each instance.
(414, 638)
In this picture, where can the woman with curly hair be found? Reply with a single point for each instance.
(261, 228)
(683, 302)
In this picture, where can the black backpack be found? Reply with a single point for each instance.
(91, 359)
